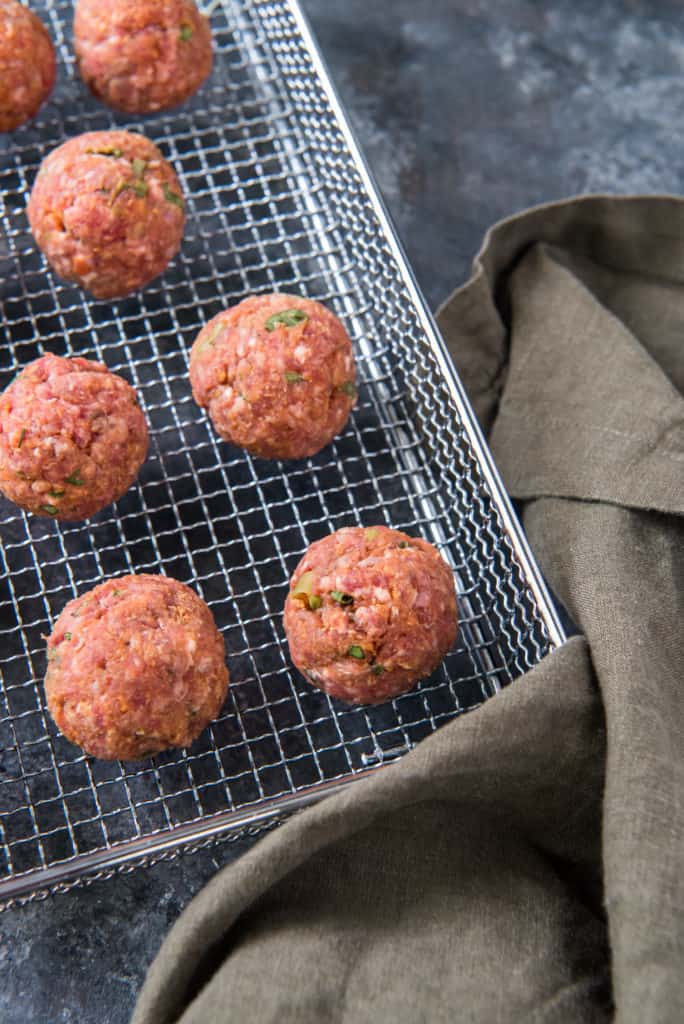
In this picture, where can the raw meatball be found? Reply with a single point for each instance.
(27, 64)
(107, 211)
(72, 438)
(142, 55)
(276, 373)
(135, 666)
(369, 613)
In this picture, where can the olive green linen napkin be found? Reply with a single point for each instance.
(525, 863)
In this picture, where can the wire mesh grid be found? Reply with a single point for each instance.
(275, 202)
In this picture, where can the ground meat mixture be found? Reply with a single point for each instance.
(72, 438)
(142, 55)
(276, 374)
(135, 666)
(27, 64)
(107, 211)
(370, 612)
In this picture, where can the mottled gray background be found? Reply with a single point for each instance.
(467, 110)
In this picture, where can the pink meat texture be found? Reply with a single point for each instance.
(107, 210)
(370, 611)
(142, 55)
(72, 438)
(276, 374)
(135, 666)
(27, 65)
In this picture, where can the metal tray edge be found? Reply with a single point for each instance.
(490, 472)
(250, 821)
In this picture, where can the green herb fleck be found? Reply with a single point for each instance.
(139, 167)
(21, 438)
(292, 377)
(209, 340)
(403, 544)
(139, 187)
(51, 510)
(288, 318)
(377, 670)
(303, 593)
(75, 479)
(57, 494)
(186, 33)
(343, 599)
(348, 387)
(303, 588)
(115, 593)
(171, 197)
(67, 636)
(356, 652)
(112, 151)
(121, 186)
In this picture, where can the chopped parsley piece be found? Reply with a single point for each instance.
(210, 338)
(139, 187)
(403, 544)
(21, 438)
(348, 387)
(112, 151)
(57, 494)
(377, 670)
(171, 197)
(343, 599)
(51, 510)
(67, 636)
(303, 592)
(139, 167)
(356, 652)
(121, 186)
(303, 588)
(292, 377)
(288, 318)
(75, 479)
(186, 33)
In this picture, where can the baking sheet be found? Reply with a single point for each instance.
(278, 199)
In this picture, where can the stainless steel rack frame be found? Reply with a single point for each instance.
(279, 198)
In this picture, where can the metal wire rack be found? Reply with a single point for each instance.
(278, 199)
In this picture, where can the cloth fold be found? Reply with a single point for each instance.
(527, 861)
(597, 367)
